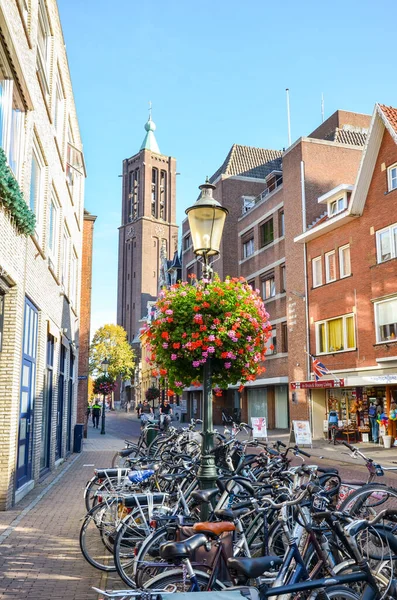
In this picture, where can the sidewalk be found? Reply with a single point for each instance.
(40, 556)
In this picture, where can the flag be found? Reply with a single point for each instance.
(319, 368)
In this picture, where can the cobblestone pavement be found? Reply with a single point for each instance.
(40, 556)
(39, 543)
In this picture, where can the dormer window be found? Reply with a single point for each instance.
(392, 177)
(337, 206)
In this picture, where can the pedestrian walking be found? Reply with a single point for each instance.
(96, 413)
(145, 411)
(127, 406)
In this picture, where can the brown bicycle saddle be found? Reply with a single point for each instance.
(214, 529)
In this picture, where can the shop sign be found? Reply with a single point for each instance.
(259, 429)
(321, 383)
(382, 379)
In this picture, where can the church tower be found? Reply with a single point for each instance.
(148, 229)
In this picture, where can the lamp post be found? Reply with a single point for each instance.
(104, 366)
(206, 220)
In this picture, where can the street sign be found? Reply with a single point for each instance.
(82, 377)
(321, 383)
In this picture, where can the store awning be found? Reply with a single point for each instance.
(321, 383)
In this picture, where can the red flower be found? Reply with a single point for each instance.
(165, 335)
(176, 345)
(196, 308)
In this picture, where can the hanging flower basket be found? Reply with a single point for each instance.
(152, 393)
(104, 385)
(224, 322)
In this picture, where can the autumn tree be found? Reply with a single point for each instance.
(110, 342)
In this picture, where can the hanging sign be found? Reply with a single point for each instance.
(259, 429)
(303, 435)
(321, 383)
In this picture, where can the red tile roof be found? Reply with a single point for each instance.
(390, 114)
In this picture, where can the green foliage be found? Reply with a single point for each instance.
(12, 200)
(104, 384)
(110, 342)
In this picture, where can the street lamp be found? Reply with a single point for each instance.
(206, 220)
(104, 367)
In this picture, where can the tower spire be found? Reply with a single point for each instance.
(150, 142)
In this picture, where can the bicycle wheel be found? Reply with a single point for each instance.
(339, 592)
(369, 500)
(173, 581)
(97, 535)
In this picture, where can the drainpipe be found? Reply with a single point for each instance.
(303, 195)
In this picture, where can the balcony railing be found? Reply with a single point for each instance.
(273, 185)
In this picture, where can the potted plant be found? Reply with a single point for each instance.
(152, 394)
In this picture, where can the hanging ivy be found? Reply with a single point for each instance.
(12, 200)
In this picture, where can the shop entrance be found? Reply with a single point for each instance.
(257, 403)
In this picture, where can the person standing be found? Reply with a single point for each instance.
(373, 414)
(165, 414)
(96, 413)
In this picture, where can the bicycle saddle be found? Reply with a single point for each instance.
(226, 514)
(204, 495)
(126, 452)
(214, 530)
(254, 567)
(328, 470)
(173, 476)
(172, 550)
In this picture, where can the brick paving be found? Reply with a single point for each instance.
(41, 557)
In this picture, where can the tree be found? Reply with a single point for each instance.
(110, 342)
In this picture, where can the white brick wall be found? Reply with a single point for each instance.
(24, 260)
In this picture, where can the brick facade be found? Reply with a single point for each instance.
(45, 267)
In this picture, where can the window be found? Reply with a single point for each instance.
(267, 235)
(344, 261)
(392, 177)
(73, 278)
(12, 118)
(163, 193)
(269, 288)
(36, 198)
(155, 179)
(248, 203)
(386, 320)
(252, 284)
(52, 240)
(24, 9)
(386, 243)
(281, 224)
(134, 194)
(190, 274)
(330, 267)
(283, 280)
(336, 335)
(43, 47)
(317, 269)
(65, 260)
(284, 337)
(74, 167)
(272, 343)
(248, 248)
(187, 242)
(59, 110)
(337, 206)
(1, 319)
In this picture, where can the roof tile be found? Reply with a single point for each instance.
(390, 114)
(249, 162)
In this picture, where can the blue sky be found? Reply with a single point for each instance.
(216, 73)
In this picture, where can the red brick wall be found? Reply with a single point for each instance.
(85, 316)
(369, 280)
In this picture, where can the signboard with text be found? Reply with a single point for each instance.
(321, 383)
(259, 429)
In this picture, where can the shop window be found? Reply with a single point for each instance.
(267, 233)
(386, 320)
(335, 335)
(269, 287)
(248, 248)
(386, 243)
(317, 271)
(344, 261)
(330, 267)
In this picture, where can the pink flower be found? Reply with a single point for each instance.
(183, 293)
(211, 338)
(165, 345)
(174, 356)
(228, 365)
(211, 349)
(196, 363)
(204, 354)
(169, 312)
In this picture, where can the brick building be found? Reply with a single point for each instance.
(266, 213)
(148, 230)
(39, 274)
(85, 318)
(352, 282)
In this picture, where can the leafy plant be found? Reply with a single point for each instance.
(110, 342)
(12, 200)
(104, 384)
(152, 393)
(224, 322)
